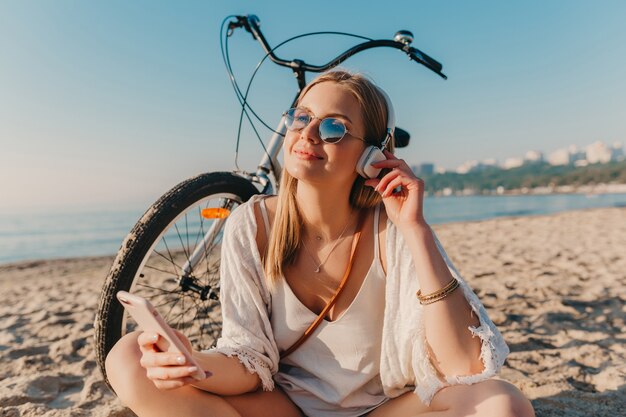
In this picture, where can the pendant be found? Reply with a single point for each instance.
(318, 269)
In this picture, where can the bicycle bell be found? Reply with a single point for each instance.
(403, 36)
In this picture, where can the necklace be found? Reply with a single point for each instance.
(319, 267)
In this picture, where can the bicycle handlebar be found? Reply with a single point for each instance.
(251, 24)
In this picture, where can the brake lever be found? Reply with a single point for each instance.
(241, 22)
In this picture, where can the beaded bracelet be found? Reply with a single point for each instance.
(438, 295)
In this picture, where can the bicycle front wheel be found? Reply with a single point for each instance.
(171, 257)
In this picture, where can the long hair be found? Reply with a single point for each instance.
(285, 236)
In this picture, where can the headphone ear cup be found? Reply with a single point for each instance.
(370, 155)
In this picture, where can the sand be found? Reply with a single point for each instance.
(555, 285)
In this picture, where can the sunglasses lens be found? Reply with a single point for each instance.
(296, 119)
(332, 130)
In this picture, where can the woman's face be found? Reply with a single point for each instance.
(307, 157)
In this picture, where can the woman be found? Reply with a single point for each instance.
(405, 337)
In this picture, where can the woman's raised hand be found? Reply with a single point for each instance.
(405, 207)
(166, 369)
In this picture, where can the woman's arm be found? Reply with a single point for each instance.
(454, 348)
(230, 376)
(168, 370)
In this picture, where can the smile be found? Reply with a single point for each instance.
(306, 155)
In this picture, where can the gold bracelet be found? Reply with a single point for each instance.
(438, 295)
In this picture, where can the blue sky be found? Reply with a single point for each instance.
(112, 103)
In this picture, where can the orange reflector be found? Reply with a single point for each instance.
(215, 213)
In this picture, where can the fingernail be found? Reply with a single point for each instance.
(180, 360)
(192, 369)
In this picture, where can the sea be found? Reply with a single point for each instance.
(34, 235)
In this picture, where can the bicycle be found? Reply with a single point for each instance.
(171, 256)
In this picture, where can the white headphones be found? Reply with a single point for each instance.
(373, 153)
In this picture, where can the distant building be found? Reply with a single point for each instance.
(425, 168)
(440, 170)
(576, 154)
(581, 163)
(466, 167)
(533, 156)
(560, 157)
(599, 152)
(510, 163)
(489, 162)
(474, 165)
(617, 152)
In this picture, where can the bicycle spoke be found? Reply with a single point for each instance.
(204, 320)
(181, 315)
(166, 302)
(205, 251)
(157, 289)
(168, 252)
(199, 235)
(160, 270)
(169, 260)
(181, 241)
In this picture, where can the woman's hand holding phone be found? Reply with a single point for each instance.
(167, 355)
(167, 370)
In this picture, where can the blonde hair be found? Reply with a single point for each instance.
(285, 236)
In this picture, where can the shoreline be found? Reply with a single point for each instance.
(434, 223)
(595, 190)
(555, 285)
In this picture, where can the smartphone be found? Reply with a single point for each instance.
(149, 320)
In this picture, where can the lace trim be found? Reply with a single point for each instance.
(493, 352)
(252, 363)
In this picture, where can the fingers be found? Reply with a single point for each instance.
(150, 359)
(399, 169)
(173, 384)
(392, 185)
(390, 163)
(172, 377)
(167, 370)
(147, 341)
(170, 373)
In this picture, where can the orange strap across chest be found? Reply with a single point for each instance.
(308, 332)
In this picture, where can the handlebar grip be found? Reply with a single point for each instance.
(425, 59)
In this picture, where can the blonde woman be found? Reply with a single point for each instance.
(405, 336)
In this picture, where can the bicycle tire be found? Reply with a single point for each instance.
(132, 269)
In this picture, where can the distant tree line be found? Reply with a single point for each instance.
(530, 175)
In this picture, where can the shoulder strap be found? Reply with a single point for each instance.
(266, 218)
(308, 332)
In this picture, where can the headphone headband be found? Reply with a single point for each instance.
(391, 119)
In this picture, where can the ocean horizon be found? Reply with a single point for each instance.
(26, 235)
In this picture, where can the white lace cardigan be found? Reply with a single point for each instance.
(404, 363)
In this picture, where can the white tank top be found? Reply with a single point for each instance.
(336, 371)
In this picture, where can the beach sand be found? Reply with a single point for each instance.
(555, 285)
